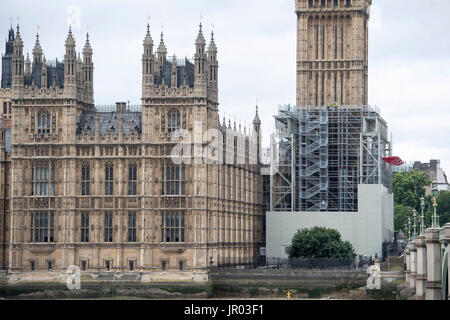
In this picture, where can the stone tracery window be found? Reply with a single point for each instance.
(42, 227)
(43, 122)
(172, 179)
(109, 178)
(108, 227)
(85, 179)
(172, 226)
(132, 227)
(43, 179)
(174, 121)
(132, 179)
(85, 227)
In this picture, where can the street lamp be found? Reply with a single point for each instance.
(435, 218)
(409, 228)
(422, 218)
(415, 224)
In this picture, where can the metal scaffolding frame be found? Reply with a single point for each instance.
(320, 155)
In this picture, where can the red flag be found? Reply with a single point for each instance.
(394, 161)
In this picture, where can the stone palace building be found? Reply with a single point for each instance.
(99, 189)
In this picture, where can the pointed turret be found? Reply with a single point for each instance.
(257, 133)
(148, 42)
(87, 50)
(70, 41)
(200, 42)
(200, 60)
(256, 120)
(37, 52)
(212, 49)
(213, 68)
(70, 62)
(18, 63)
(88, 68)
(148, 64)
(162, 50)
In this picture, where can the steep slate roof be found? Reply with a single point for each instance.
(109, 122)
(55, 74)
(7, 61)
(185, 69)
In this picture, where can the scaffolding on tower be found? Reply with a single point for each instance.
(321, 154)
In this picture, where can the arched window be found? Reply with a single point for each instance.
(43, 122)
(174, 122)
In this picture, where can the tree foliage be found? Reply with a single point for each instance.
(443, 208)
(401, 214)
(320, 242)
(409, 187)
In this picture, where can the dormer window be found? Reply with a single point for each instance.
(43, 122)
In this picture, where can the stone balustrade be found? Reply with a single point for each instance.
(426, 258)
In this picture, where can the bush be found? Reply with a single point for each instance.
(318, 243)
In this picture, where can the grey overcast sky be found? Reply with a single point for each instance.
(409, 58)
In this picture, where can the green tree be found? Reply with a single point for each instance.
(320, 242)
(401, 214)
(443, 208)
(409, 187)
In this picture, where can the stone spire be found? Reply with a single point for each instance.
(212, 44)
(200, 42)
(70, 62)
(148, 64)
(200, 62)
(37, 51)
(87, 50)
(18, 39)
(213, 68)
(70, 41)
(148, 41)
(257, 133)
(18, 62)
(256, 120)
(162, 50)
(88, 68)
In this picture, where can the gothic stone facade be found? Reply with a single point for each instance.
(332, 52)
(99, 190)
